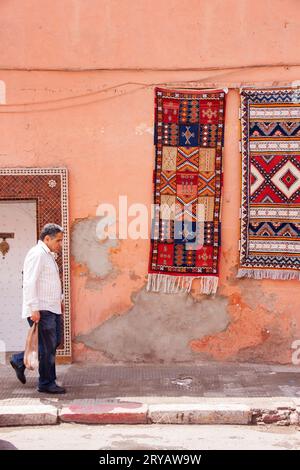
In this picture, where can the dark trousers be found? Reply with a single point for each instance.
(49, 340)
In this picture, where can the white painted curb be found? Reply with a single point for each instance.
(199, 414)
(28, 415)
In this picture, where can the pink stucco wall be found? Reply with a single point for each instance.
(163, 34)
(99, 124)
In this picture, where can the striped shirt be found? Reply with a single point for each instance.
(41, 281)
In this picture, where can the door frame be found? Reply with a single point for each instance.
(49, 187)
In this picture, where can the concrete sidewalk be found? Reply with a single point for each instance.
(209, 393)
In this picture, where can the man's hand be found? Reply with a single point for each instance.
(62, 308)
(35, 316)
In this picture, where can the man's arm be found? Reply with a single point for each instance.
(35, 316)
(32, 268)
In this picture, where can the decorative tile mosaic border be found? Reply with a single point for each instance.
(49, 187)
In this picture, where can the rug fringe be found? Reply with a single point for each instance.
(174, 284)
(268, 274)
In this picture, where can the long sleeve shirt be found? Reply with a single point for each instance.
(41, 281)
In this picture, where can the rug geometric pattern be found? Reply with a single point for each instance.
(270, 209)
(189, 129)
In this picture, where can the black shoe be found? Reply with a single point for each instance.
(52, 389)
(19, 371)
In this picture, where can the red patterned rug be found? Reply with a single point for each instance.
(270, 212)
(185, 238)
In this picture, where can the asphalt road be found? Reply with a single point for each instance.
(150, 437)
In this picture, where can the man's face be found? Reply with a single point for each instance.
(54, 244)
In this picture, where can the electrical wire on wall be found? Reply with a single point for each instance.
(212, 81)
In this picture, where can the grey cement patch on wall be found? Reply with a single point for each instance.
(87, 249)
(159, 328)
(254, 296)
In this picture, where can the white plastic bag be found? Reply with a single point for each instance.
(31, 354)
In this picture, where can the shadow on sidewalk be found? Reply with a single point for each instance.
(6, 445)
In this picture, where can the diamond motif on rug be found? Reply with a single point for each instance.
(270, 215)
(287, 179)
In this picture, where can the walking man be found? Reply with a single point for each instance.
(42, 303)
